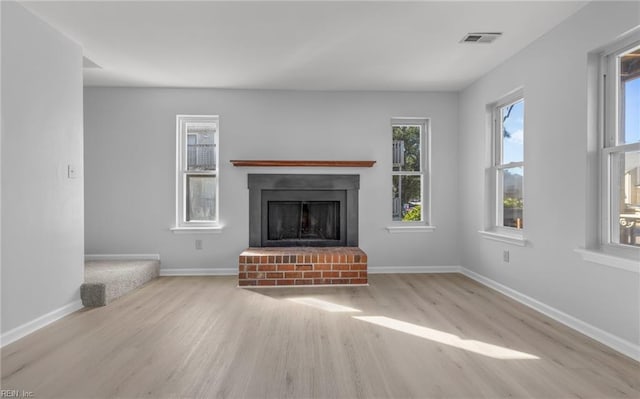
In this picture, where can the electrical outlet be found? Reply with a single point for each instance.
(505, 256)
(198, 244)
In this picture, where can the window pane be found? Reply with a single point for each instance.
(632, 111)
(626, 171)
(201, 198)
(201, 146)
(630, 98)
(512, 199)
(284, 220)
(512, 122)
(406, 148)
(407, 198)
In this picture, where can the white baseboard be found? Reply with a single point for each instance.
(621, 345)
(122, 257)
(42, 321)
(412, 269)
(199, 272)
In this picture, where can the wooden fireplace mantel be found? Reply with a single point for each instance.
(335, 164)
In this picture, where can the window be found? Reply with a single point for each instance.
(620, 157)
(409, 139)
(197, 171)
(508, 163)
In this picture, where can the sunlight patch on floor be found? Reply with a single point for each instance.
(322, 304)
(482, 348)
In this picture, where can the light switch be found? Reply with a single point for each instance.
(72, 172)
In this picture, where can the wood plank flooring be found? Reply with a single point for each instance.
(412, 336)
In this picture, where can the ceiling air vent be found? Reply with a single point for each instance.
(480, 37)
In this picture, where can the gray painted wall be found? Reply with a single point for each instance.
(42, 210)
(553, 72)
(130, 167)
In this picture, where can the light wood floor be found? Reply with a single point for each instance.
(415, 336)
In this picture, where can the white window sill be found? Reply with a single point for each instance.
(595, 256)
(197, 230)
(410, 229)
(513, 239)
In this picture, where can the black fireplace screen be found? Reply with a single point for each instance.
(301, 210)
(303, 220)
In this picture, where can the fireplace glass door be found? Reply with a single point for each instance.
(312, 218)
(303, 220)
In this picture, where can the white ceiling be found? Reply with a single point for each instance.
(300, 45)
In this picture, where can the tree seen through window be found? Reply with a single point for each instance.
(407, 173)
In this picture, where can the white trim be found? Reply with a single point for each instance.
(621, 345)
(228, 271)
(624, 40)
(505, 238)
(198, 230)
(493, 183)
(510, 165)
(393, 229)
(36, 324)
(509, 98)
(609, 260)
(610, 107)
(412, 269)
(182, 172)
(90, 257)
(425, 160)
(621, 148)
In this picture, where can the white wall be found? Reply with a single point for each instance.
(553, 72)
(130, 161)
(42, 210)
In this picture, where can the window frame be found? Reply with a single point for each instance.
(182, 173)
(610, 133)
(495, 222)
(424, 173)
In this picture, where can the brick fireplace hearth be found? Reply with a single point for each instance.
(295, 266)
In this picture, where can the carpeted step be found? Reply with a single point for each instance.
(106, 280)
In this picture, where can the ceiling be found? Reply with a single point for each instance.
(298, 45)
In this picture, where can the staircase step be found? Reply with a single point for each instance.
(107, 280)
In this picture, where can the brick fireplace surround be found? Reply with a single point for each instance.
(295, 266)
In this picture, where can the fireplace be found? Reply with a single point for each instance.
(303, 210)
(303, 231)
